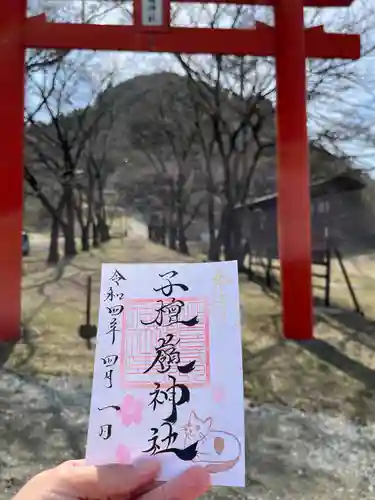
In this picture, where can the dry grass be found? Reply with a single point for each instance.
(334, 373)
(54, 304)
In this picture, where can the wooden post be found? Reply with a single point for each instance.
(327, 290)
(348, 282)
(293, 176)
(269, 272)
(250, 268)
(11, 166)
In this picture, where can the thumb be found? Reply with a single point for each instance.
(108, 480)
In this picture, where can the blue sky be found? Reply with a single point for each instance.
(345, 107)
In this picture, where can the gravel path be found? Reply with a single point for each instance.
(291, 454)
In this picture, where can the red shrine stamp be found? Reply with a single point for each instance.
(157, 340)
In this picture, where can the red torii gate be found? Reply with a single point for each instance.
(289, 42)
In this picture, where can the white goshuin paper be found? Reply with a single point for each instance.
(123, 421)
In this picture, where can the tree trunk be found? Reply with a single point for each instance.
(101, 216)
(85, 238)
(55, 212)
(214, 246)
(85, 235)
(228, 234)
(70, 249)
(238, 244)
(53, 252)
(95, 235)
(182, 241)
(172, 225)
(103, 229)
(172, 236)
(163, 231)
(83, 225)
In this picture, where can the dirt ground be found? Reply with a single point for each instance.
(311, 405)
(290, 454)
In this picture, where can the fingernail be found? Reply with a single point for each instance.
(147, 465)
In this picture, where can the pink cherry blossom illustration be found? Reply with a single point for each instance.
(218, 394)
(131, 410)
(123, 455)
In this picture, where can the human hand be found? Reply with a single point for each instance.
(73, 480)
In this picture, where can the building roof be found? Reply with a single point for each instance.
(339, 183)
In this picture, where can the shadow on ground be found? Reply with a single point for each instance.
(330, 354)
(355, 327)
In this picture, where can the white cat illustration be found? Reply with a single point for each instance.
(220, 450)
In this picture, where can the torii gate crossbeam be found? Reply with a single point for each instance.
(289, 42)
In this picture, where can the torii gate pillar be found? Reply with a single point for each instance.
(12, 68)
(293, 171)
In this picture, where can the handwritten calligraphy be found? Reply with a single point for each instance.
(167, 354)
(110, 360)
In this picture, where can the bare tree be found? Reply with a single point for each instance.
(97, 166)
(237, 94)
(236, 130)
(55, 148)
